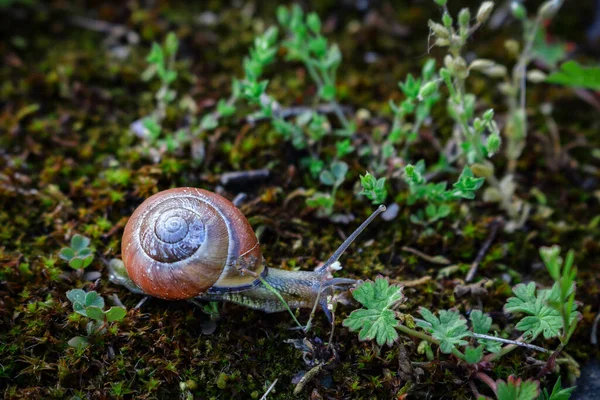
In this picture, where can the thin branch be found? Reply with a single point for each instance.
(494, 225)
(264, 396)
(512, 342)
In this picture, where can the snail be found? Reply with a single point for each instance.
(188, 243)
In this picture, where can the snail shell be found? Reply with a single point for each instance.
(183, 242)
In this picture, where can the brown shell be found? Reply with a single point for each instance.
(182, 242)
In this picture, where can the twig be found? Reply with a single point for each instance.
(487, 380)
(432, 259)
(416, 282)
(141, 303)
(308, 377)
(484, 248)
(513, 342)
(594, 333)
(264, 396)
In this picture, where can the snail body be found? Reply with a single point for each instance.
(188, 243)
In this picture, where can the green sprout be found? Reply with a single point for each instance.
(373, 188)
(78, 255)
(91, 305)
(161, 60)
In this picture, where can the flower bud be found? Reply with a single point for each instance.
(497, 71)
(513, 47)
(484, 12)
(464, 17)
(439, 30)
(481, 64)
(488, 115)
(447, 20)
(493, 144)
(549, 8)
(442, 42)
(536, 76)
(441, 3)
(428, 89)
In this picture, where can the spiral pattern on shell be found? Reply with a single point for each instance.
(182, 242)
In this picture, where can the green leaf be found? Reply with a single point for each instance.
(76, 296)
(376, 320)
(225, 109)
(378, 295)
(327, 178)
(283, 15)
(558, 393)
(79, 308)
(321, 200)
(115, 314)
(466, 185)
(542, 317)
(313, 22)
(76, 263)
(339, 169)
(93, 299)
(574, 75)
(79, 242)
(88, 260)
(209, 122)
(78, 342)
(410, 87)
(480, 321)
(517, 389)
(327, 92)
(481, 324)
(66, 253)
(171, 43)
(473, 354)
(94, 312)
(156, 55)
(450, 328)
(413, 174)
(84, 253)
(374, 189)
(344, 147)
(374, 324)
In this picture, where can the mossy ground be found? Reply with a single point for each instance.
(69, 164)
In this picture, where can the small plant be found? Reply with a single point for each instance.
(161, 62)
(78, 255)
(377, 319)
(373, 188)
(517, 389)
(91, 305)
(437, 195)
(549, 313)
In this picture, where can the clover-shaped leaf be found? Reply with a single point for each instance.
(78, 342)
(76, 296)
(115, 314)
(93, 299)
(94, 312)
(79, 242)
(66, 253)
